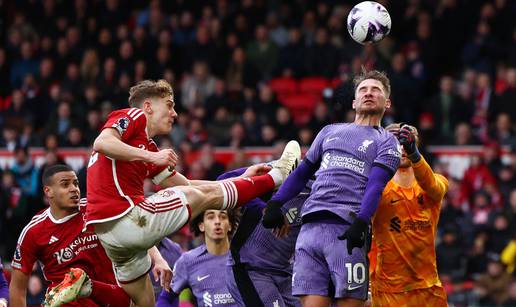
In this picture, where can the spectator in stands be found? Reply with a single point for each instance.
(25, 172)
(476, 177)
(212, 167)
(450, 256)
(500, 233)
(292, 55)
(511, 301)
(448, 108)
(197, 86)
(9, 138)
(262, 53)
(503, 131)
(492, 287)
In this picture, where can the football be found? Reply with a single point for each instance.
(368, 22)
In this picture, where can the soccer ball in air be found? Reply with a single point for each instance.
(368, 22)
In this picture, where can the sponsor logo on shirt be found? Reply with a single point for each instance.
(397, 225)
(365, 144)
(351, 163)
(396, 153)
(78, 245)
(217, 299)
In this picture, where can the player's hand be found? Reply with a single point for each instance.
(407, 138)
(256, 170)
(3, 302)
(355, 235)
(273, 216)
(164, 157)
(282, 231)
(162, 272)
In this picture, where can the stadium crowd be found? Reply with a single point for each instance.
(255, 73)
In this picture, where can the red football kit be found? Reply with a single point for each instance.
(59, 245)
(114, 187)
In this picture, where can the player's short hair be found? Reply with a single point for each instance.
(376, 75)
(397, 126)
(233, 216)
(50, 171)
(149, 89)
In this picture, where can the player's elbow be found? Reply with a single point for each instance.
(100, 143)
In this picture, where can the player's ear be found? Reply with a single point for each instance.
(387, 103)
(147, 106)
(353, 105)
(201, 226)
(48, 191)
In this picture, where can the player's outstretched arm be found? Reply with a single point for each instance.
(18, 289)
(161, 269)
(109, 143)
(295, 183)
(433, 184)
(178, 179)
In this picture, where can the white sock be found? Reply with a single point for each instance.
(277, 176)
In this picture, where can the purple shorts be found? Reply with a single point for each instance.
(272, 289)
(323, 266)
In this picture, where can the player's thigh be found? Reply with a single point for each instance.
(349, 273)
(310, 274)
(203, 197)
(162, 214)
(434, 296)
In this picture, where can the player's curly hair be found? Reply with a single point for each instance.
(149, 89)
(233, 216)
(376, 75)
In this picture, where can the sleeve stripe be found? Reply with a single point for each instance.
(131, 111)
(136, 114)
(136, 117)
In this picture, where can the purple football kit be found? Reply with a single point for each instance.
(260, 264)
(343, 155)
(204, 273)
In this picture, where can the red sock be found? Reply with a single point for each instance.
(108, 295)
(240, 191)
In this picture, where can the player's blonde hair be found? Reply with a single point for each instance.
(376, 75)
(149, 89)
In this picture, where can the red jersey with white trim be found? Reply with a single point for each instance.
(114, 186)
(59, 245)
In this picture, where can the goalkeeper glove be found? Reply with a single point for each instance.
(407, 139)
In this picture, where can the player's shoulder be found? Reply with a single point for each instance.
(127, 113)
(196, 252)
(38, 223)
(171, 245)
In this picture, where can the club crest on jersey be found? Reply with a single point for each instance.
(121, 125)
(365, 144)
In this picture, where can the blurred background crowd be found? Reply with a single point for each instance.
(258, 72)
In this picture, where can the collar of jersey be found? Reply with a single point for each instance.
(60, 221)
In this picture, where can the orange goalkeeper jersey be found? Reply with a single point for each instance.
(404, 229)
